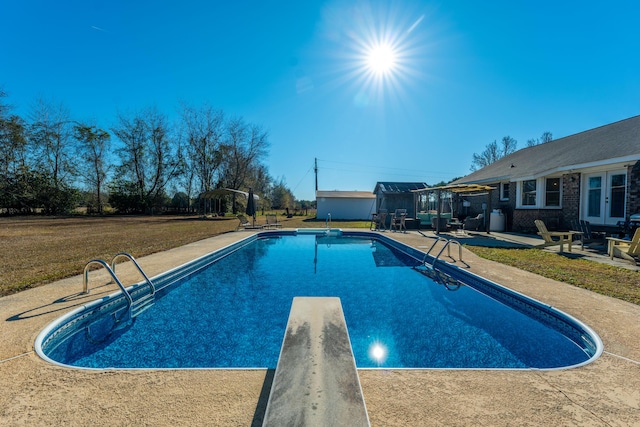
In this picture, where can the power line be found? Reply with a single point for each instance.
(417, 174)
(305, 175)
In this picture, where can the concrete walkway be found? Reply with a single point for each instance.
(603, 393)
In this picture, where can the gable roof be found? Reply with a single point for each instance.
(613, 143)
(399, 187)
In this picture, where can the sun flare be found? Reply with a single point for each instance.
(381, 59)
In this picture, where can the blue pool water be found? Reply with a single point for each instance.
(233, 314)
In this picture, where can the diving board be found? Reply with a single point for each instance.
(316, 382)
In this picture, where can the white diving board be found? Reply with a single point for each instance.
(316, 382)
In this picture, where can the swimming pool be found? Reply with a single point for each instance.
(229, 309)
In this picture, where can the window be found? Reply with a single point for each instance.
(504, 191)
(529, 192)
(594, 196)
(618, 190)
(552, 192)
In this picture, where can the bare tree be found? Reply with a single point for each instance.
(244, 147)
(51, 135)
(149, 157)
(93, 146)
(546, 137)
(493, 152)
(14, 169)
(13, 141)
(203, 131)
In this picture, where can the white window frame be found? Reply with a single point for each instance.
(504, 195)
(541, 194)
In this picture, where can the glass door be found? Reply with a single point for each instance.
(605, 197)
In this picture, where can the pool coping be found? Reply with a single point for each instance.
(603, 392)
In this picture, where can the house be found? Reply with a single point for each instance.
(593, 175)
(345, 204)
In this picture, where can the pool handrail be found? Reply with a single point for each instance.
(447, 245)
(113, 276)
(130, 257)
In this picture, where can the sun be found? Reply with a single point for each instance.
(381, 59)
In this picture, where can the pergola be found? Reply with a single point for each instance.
(219, 193)
(468, 189)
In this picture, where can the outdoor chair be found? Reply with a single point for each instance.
(272, 221)
(562, 237)
(626, 249)
(588, 235)
(398, 220)
(379, 220)
(439, 224)
(473, 223)
(245, 223)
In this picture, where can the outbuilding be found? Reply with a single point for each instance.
(347, 205)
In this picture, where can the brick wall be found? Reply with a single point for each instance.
(570, 198)
(633, 189)
(523, 219)
(555, 219)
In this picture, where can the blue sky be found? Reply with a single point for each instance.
(465, 73)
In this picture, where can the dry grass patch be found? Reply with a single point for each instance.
(39, 250)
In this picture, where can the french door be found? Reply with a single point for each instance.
(605, 197)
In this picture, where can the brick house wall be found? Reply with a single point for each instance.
(555, 219)
(570, 199)
(633, 189)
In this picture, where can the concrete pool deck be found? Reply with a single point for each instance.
(605, 392)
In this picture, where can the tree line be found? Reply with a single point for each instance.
(51, 162)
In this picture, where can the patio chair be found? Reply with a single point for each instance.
(588, 235)
(626, 249)
(272, 221)
(245, 223)
(562, 237)
(473, 223)
(398, 220)
(379, 220)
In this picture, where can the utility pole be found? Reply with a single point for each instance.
(315, 169)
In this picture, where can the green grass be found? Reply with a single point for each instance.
(601, 278)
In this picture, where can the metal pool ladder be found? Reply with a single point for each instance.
(447, 246)
(136, 306)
